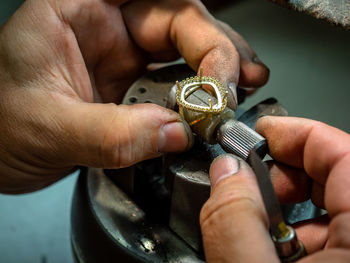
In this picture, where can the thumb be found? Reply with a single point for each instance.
(233, 220)
(111, 136)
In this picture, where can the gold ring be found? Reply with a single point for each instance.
(186, 87)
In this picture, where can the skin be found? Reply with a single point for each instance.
(311, 160)
(65, 66)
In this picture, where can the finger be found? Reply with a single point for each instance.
(337, 194)
(339, 230)
(234, 217)
(291, 185)
(188, 28)
(112, 59)
(322, 151)
(253, 72)
(110, 136)
(205, 45)
(329, 255)
(313, 233)
(303, 143)
(317, 194)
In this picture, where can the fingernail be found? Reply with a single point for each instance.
(175, 137)
(257, 60)
(262, 116)
(223, 167)
(232, 96)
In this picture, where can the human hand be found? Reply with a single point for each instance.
(58, 57)
(312, 160)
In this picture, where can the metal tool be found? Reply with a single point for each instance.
(288, 247)
(149, 212)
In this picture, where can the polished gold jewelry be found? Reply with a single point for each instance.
(186, 87)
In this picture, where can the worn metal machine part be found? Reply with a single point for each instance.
(149, 212)
(108, 225)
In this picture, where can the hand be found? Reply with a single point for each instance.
(58, 57)
(312, 160)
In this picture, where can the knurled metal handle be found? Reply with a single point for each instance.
(237, 138)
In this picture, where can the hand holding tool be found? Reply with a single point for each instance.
(288, 247)
(202, 103)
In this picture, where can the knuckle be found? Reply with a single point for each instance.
(339, 230)
(116, 147)
(128, 138)
(227, 205)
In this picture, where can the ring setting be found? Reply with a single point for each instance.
(186, 87)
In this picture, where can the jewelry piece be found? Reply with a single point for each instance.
(186, 87)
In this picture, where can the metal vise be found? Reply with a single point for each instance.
(150, 212)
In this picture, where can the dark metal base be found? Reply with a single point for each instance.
(108, 226)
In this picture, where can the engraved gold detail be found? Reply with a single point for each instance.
(186, 87)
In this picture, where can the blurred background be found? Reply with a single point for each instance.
(309, 61)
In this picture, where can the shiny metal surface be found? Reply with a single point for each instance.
(268, 194)
(289, 248)
(237, 138)
(206, 127)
